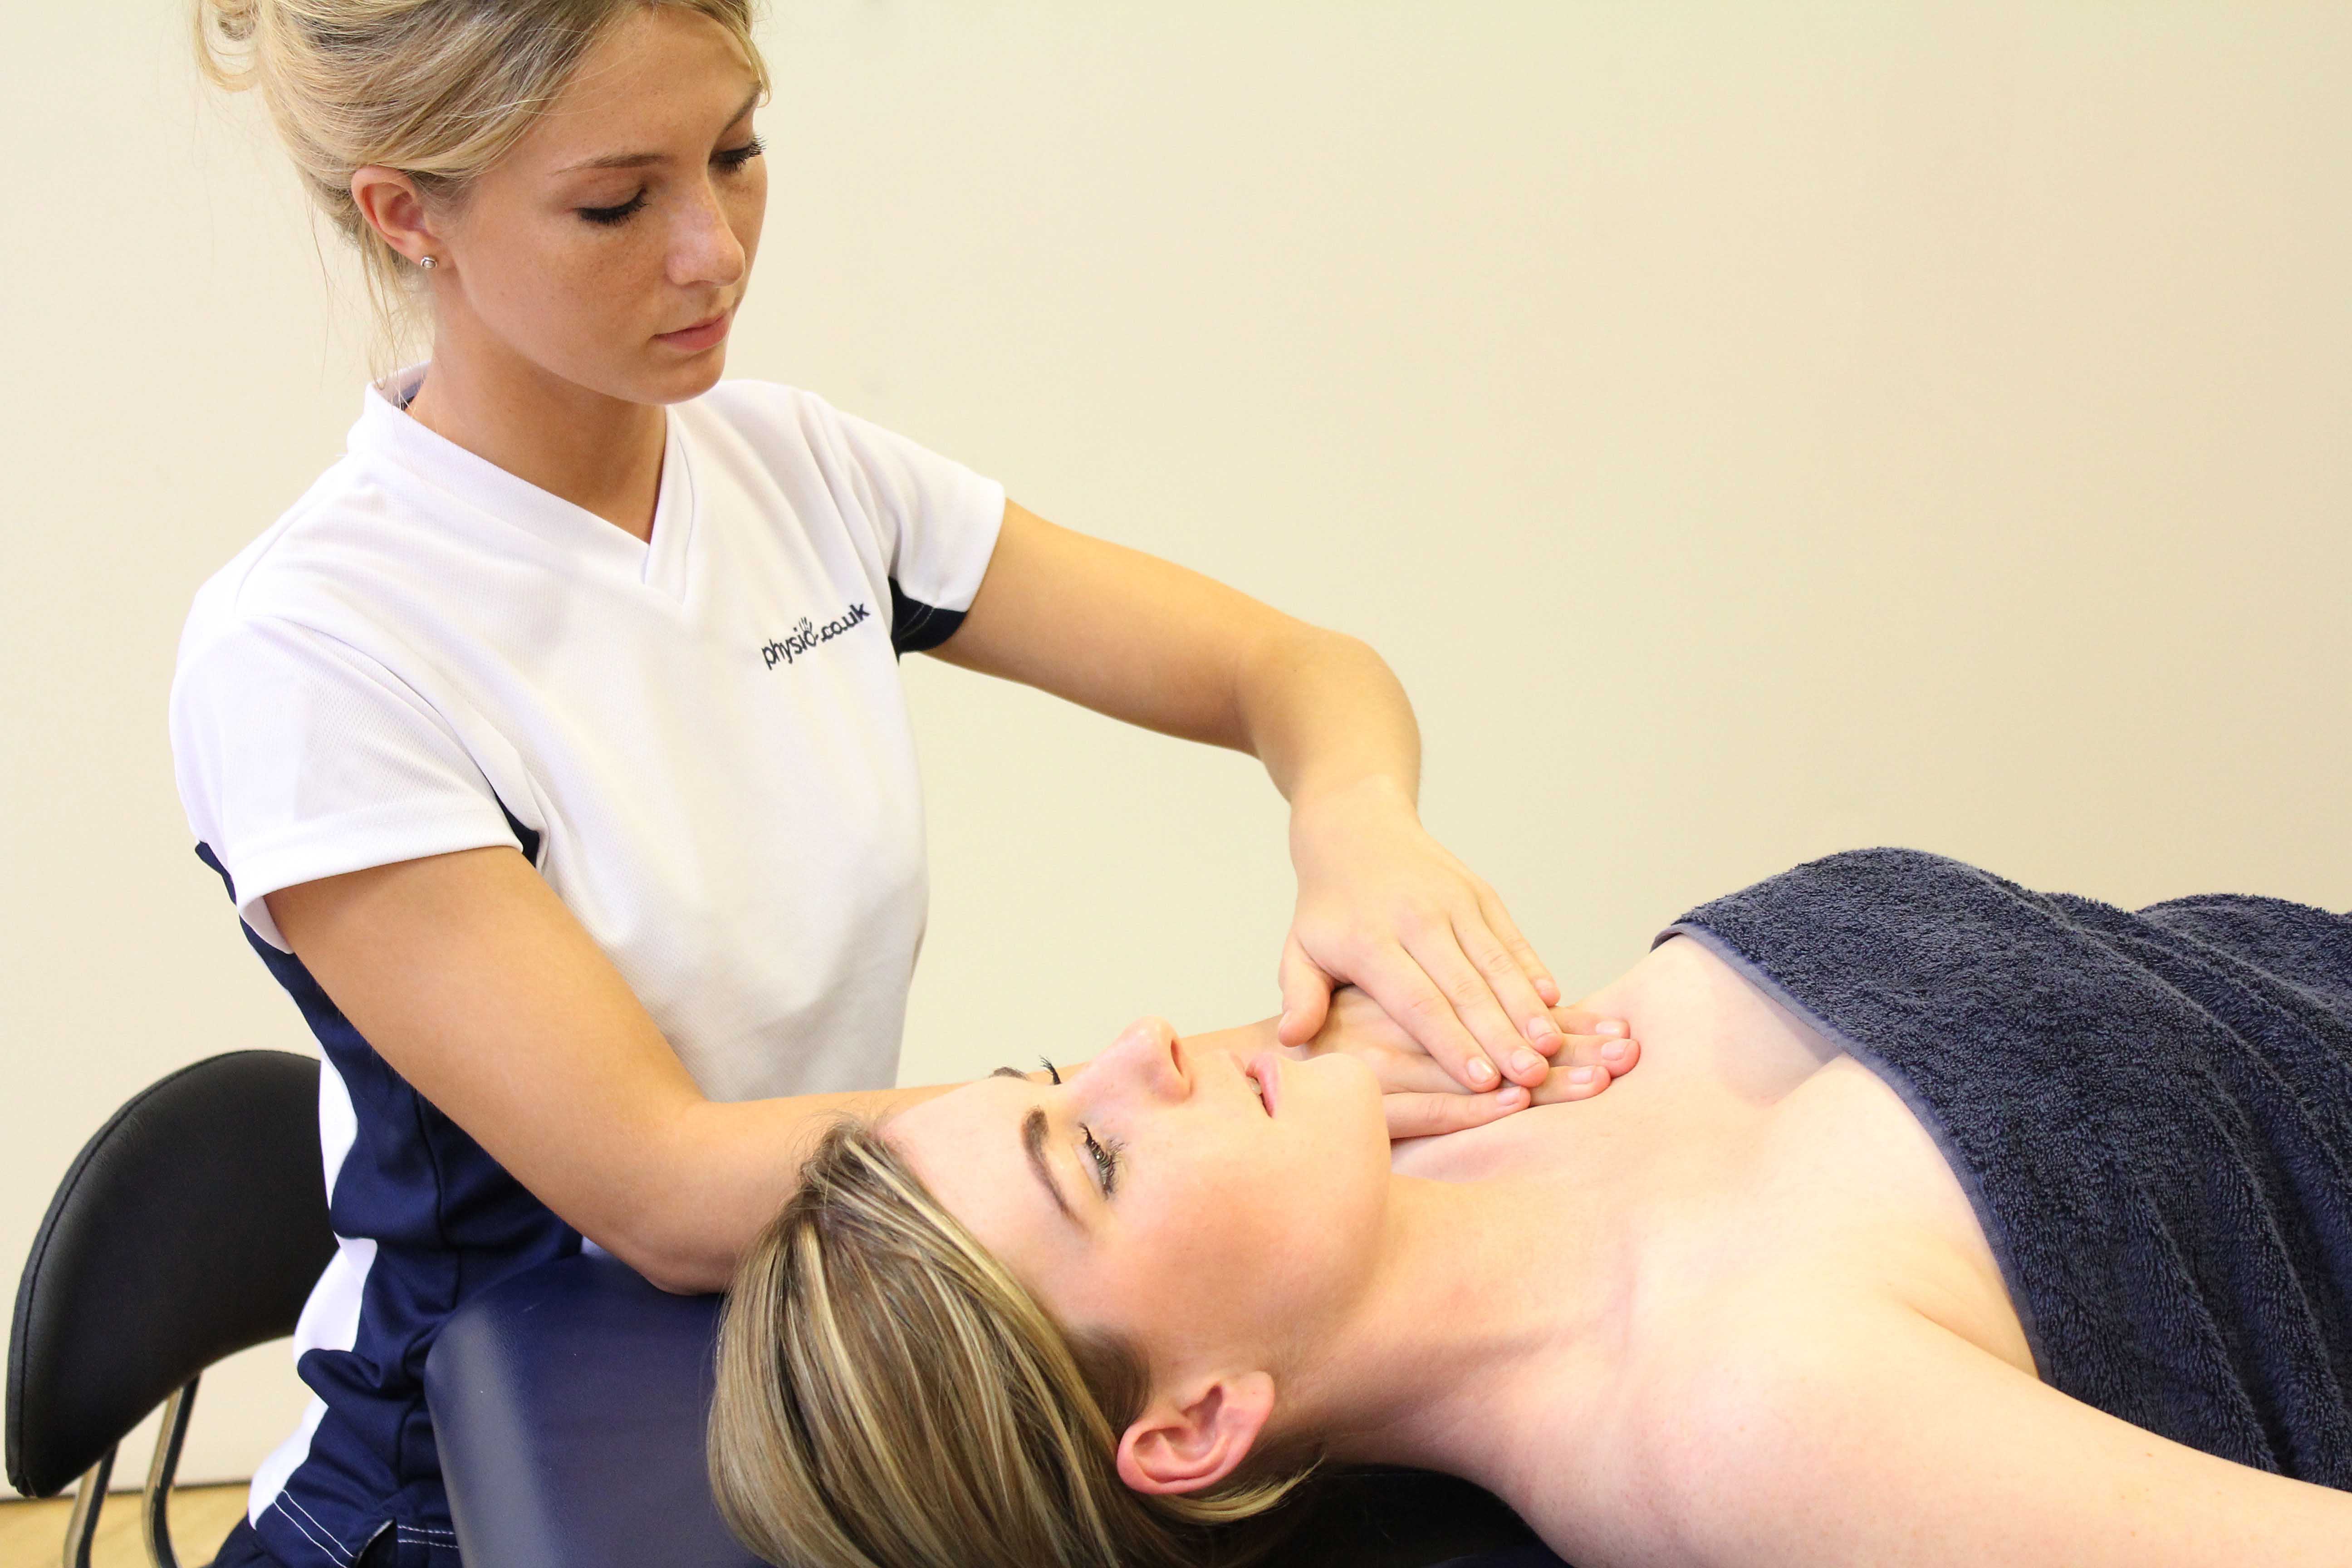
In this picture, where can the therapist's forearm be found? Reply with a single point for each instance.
(1328, 719)
(476, 983)
(712, 1175)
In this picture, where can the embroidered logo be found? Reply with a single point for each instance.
(807, 635)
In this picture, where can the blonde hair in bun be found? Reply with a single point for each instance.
(436, 89)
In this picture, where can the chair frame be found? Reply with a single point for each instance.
(155, 1497)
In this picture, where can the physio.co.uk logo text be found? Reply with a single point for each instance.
(808, 634)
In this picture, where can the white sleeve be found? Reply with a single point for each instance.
(935, 520)
(298, 758)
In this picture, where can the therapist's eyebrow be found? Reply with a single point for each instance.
(638, 160)
(1033, 1143)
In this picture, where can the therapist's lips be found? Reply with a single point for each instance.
(700, 335)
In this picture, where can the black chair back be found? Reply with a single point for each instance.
(191, 1226)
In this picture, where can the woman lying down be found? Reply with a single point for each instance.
(1943, 1223)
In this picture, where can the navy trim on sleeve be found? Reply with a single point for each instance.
(915, 627)
(528, 837)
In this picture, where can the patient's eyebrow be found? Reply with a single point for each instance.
(1033, 1143)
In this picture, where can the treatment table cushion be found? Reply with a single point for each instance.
(569, 1403)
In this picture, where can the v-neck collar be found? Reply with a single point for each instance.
(386, 432)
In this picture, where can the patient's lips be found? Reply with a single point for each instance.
(1264, 1071)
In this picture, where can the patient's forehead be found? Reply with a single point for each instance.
(951, 1117)
(965, 1141)
(965, 1147)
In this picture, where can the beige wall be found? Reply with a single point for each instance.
(1750, 430)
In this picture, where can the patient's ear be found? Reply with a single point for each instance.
(1191, 1445)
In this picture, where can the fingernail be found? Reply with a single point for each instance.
(1481, 1071)
(1524, 1062)
(1609, 1026)
(1510, 1096)
(1580, 1075)
(1613, 1051)
(1542, 1028)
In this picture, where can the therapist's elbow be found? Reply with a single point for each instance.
(678, 1258)
(702, 1187)
(674, 1245)
(689, 1282)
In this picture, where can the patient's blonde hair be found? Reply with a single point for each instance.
(888, 1396)
(436, 89)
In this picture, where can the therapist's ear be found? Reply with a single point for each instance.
(1191, 1445)
(390, 204)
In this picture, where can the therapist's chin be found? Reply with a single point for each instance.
(662, 375)
(684, 383)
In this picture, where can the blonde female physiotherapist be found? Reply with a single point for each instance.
(552, 746)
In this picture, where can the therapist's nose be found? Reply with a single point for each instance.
(704, 246)
(1148, 1060)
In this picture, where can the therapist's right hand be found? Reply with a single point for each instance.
(1423, 1100)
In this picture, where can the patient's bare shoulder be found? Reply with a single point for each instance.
(1847, 1428)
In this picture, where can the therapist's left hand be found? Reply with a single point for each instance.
(1384, 906)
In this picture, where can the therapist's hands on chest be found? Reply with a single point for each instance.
(1384, 907)
(1422, 1100)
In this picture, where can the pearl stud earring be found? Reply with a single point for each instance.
(427, 262)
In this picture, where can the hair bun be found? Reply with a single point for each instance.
(234, 18)
(226, 34)
(436, 89)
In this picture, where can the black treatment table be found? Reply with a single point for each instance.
(569, 1402)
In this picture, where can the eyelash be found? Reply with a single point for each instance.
(1105, 1162)
(731, 159)
(1106, 1157)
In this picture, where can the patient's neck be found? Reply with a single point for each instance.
(1492, 1318)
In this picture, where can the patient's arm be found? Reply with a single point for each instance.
(1875, 1436)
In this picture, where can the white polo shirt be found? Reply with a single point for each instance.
(701, 743)
(706, 736)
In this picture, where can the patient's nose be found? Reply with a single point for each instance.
(1147, 1059)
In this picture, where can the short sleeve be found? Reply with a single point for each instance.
(298, 757)
(936, 520)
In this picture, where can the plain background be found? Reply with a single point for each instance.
(1750, 431)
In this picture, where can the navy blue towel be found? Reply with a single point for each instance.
(2153, 1113)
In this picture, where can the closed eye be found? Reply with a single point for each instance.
(610, 215)
(729, 160)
